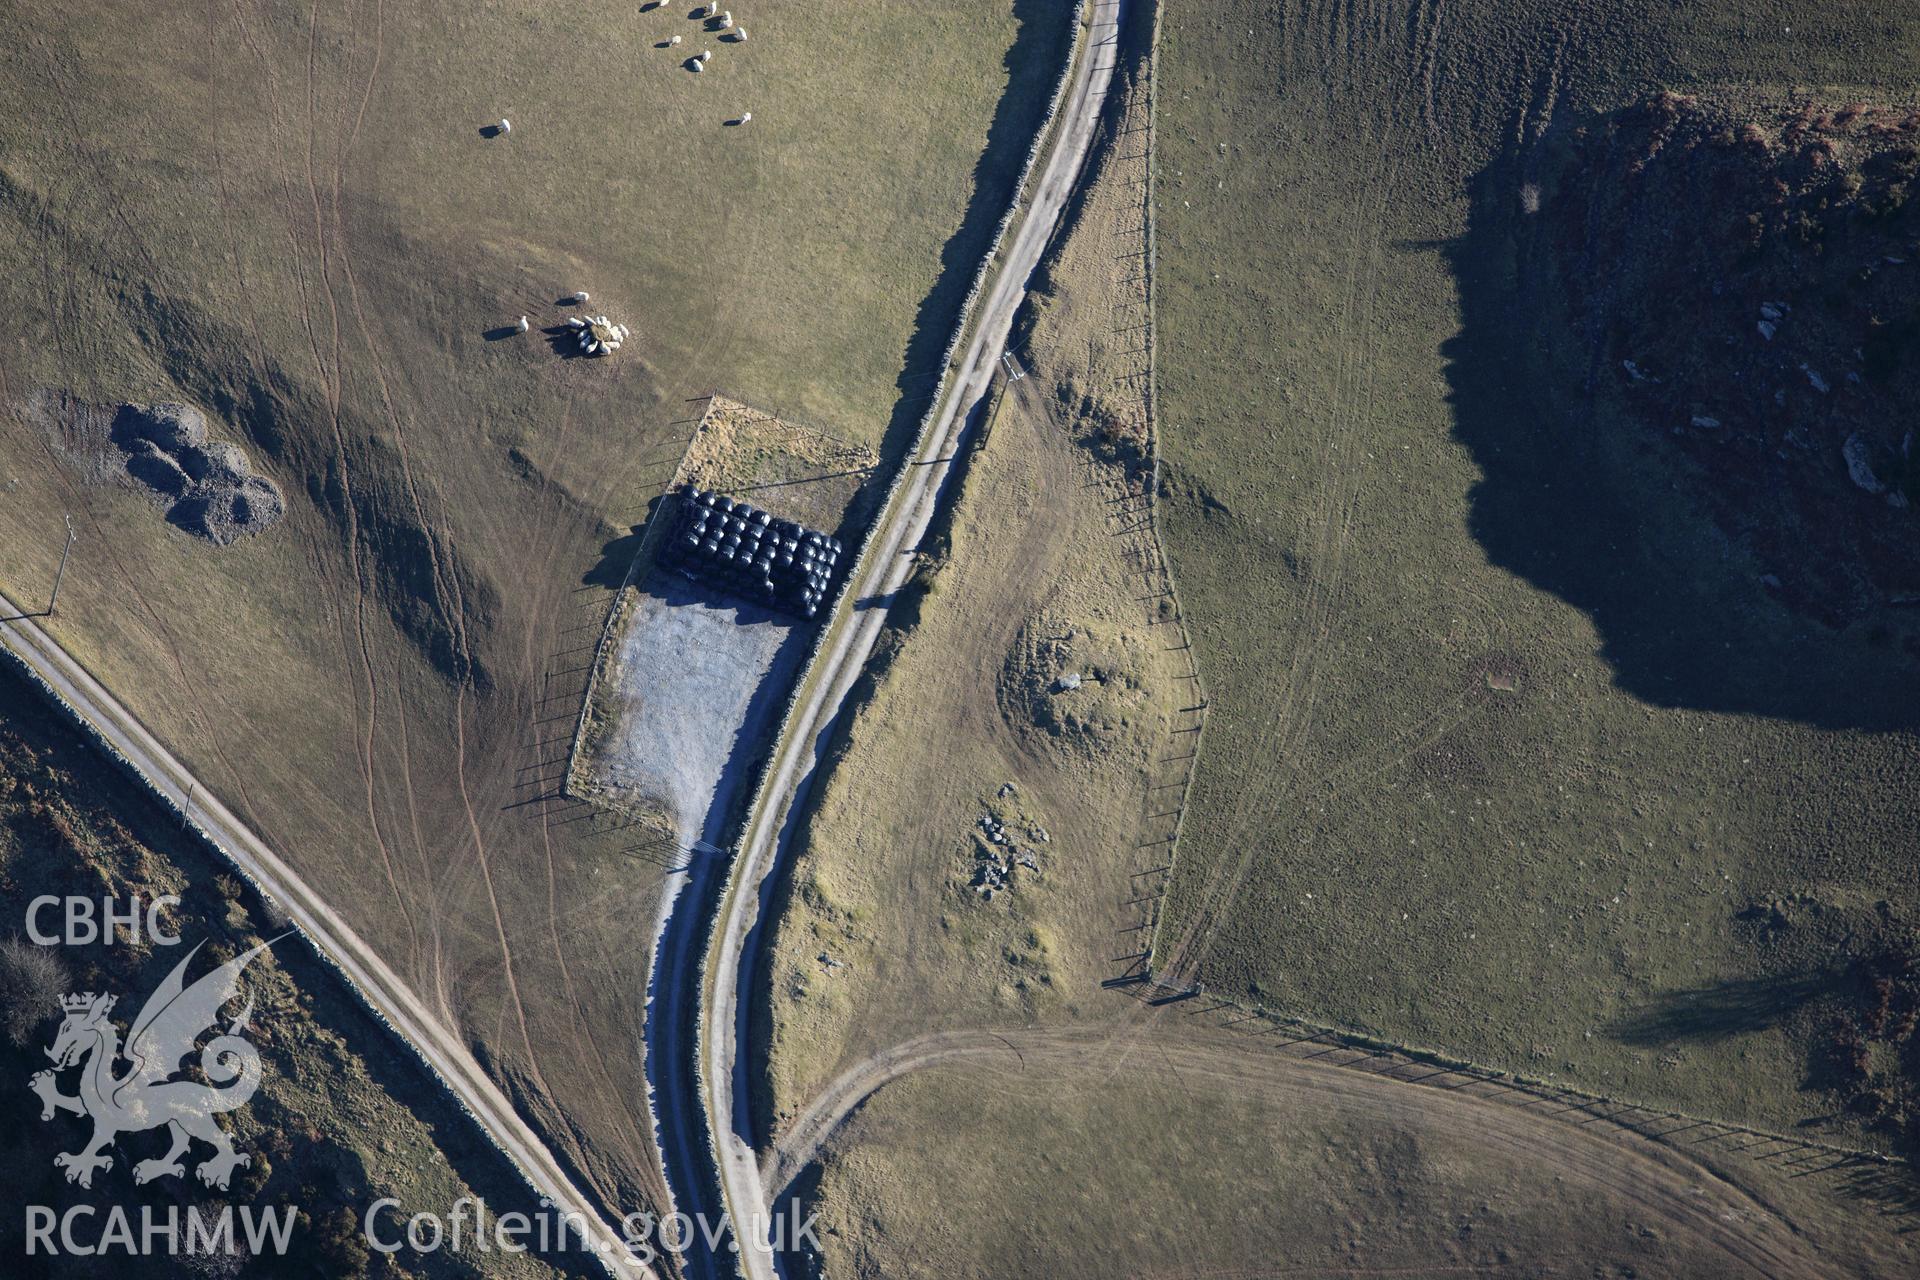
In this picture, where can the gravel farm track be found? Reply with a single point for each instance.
(1686, 1197)
(721, 1011)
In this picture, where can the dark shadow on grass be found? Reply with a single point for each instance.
(1033, 65)
(1590, 508)
(1731, 1008)
(1891, 1189)
(616, 557)
(564, 341)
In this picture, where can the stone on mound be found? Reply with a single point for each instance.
(218, 463)
(173, 427)
(157, 470)
(258, 504)
(221, 513)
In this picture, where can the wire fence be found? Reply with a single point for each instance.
(570, 782)
(1133, 517)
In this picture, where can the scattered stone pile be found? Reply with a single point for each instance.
(213, 489)
(1083, 686)
(736, 543)
(999, 855)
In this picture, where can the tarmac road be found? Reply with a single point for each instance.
(379, 986)
(883, 571)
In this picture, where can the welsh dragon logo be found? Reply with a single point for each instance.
(146, 1097)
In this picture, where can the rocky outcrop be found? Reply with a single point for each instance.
(1744, 264)
(211, 486)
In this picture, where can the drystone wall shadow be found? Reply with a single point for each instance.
(1032, 65)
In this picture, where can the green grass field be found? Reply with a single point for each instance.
(288, 214)
(1506, 737)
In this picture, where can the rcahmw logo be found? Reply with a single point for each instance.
(146, 1096)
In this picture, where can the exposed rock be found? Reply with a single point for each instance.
(173, 427)
(1067, 683)
(218, 463)
(1778, 215)
(157, 470)
(216, 493)
(1860, 464)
